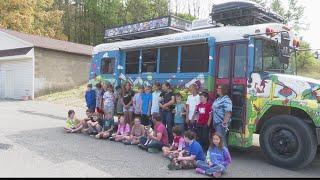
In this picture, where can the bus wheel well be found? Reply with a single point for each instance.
(283, 110)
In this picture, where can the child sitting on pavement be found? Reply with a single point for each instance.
(95, 124)
(137, 132)
(158, 139)
(123, 130)
(218, 158)
(187, 158)
(84, 122)
(73, 124)
(177, 146)
(107, 128)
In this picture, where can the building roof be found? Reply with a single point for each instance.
(53, 44)
(15, 52)
(221, 34)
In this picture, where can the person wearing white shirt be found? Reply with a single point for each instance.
(192, 102)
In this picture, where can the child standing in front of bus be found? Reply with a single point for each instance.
(118, 99)
(99, 96)
(127, 96)
(179, 112)
(137, 102)
(192, 102)
(146, 106)
(155, 97)
(204, 111)
(108, 101)
(90, 97)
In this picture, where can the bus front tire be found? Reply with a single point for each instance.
(288, 142)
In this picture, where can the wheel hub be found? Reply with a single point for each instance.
(284, 142)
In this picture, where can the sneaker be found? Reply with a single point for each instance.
(172, 166)
(141, 146)
(97, 136)
(111, 139)
(94, 133)
(200, 171)
(127, 142)
(153, 150)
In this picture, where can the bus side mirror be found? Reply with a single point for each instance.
(284, 54)
(317, 55)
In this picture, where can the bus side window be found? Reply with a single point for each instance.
(149, 60)
(132, 62)
(240, 61)
(168, 60)
(224, 62)
(107, 66)
(195, 58)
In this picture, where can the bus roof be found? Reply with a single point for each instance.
(221, 34)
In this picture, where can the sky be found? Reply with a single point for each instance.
(311, 16)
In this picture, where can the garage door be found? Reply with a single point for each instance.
(16, 78)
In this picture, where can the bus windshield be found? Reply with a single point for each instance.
(267, 58)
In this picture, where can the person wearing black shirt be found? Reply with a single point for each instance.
(127, 103)
(166, 107)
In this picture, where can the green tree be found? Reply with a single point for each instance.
(292, 15)
(305, 59)
(186, 16)
(141, 10)
(32, 16)
(261, 2)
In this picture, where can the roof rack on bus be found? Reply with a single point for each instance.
(243, 13)
(154, 27)
(234, 13)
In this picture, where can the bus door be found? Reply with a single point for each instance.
(231, 71)
(239, 86)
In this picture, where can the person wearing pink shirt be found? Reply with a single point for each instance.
(158, 139)
(123, 130)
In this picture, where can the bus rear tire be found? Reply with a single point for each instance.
(288, 142)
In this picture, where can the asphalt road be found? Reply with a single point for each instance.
(33, 144)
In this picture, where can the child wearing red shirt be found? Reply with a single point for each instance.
(204, 111)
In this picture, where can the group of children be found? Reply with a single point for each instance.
(156, 121)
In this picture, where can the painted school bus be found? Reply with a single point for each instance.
(268, 99)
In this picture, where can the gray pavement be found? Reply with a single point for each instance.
(38, 147)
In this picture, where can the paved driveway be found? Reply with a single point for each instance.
(34, 145)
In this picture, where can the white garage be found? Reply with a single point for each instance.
(16, 68)
(32, 66)
(16, 78)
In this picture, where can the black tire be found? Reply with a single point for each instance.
(288, 142)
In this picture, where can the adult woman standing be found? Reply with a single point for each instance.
(222, 110)
(166, 108)
(127, 96)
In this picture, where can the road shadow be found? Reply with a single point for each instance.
(120, 160)
(43, 115)
(113, 158)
